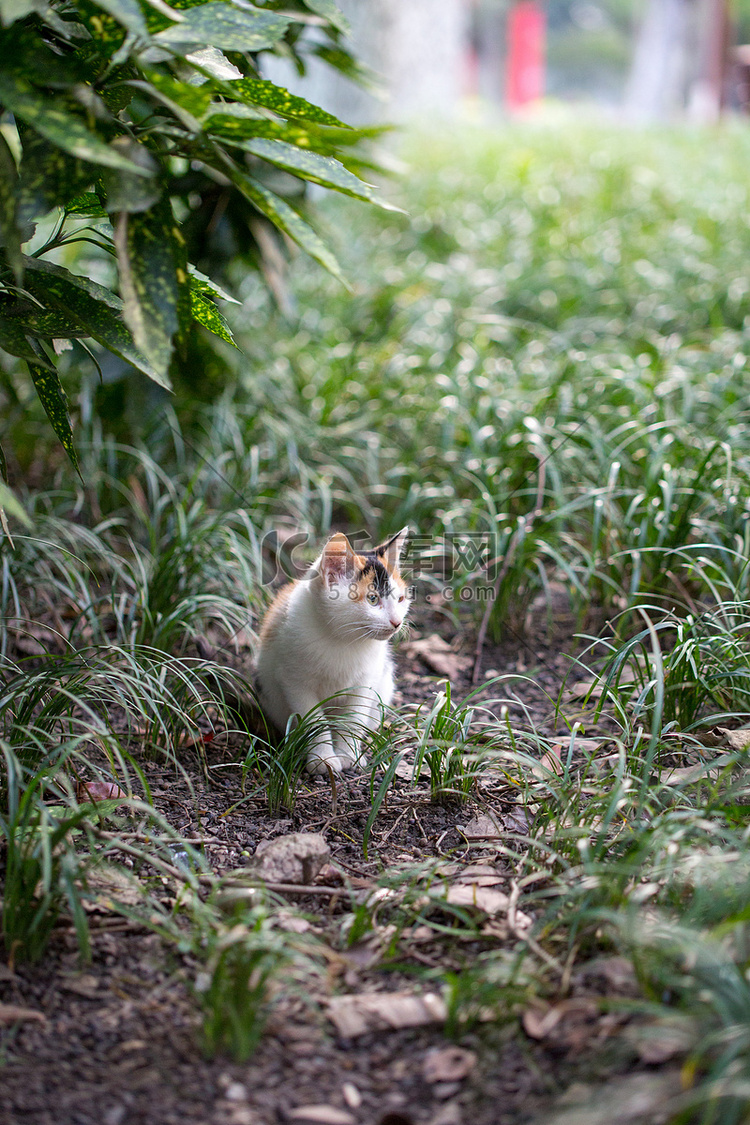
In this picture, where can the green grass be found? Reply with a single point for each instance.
(576, 299)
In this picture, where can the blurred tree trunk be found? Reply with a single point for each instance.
(680, 61)
(662, 64)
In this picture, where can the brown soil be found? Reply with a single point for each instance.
(120, 1039)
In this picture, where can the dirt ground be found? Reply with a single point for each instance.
(116, 1041)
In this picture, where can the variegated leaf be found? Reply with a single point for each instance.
(64, 129)
(52, 398)
(287, 219)
(206, 313)
(148, 259)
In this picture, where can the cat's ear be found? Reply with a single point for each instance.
(390, 552)
(337, 560)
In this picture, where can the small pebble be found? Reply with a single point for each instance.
(352, 1096)
(236, 1092)
(443, 1090)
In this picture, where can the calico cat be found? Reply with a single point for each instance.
(327, 634)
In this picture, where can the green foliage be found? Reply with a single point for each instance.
(240, 954)
(42, 868)
(129, 128)
(445, 747)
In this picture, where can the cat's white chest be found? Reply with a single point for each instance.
(336, 669)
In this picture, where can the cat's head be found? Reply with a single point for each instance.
(362, 594)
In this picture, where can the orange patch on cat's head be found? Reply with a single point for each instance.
(374, 571)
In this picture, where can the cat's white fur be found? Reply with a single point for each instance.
(324, 637)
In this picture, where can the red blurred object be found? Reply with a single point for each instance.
(524, 81)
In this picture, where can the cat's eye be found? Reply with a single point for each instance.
(402, 598)
(373, 599)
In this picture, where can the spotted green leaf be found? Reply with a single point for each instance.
(63, 128)
(312, 166)
(231, 124)
(148, 260)
(258, 91)
(128, 13)
(48, 177)
(287, 219)
(210, 62)
(184, 307)
(107, 33)
(13, 338)
(9, 230)
(88, 203)
(199, 283)
(96, 309)
(331, 12)
(193, 100)
(126, 191)
(206, 313)
(52, 398)
(226, 27)
(24, 318)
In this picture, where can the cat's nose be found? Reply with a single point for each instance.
(395, 624)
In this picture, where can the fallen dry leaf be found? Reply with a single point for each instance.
(292, 923)
(368, 951)
(584, 688)
(448, 1114)
(484, 899)
(736, 740)
(613, 972)
(448, 1064)
(482, 827)
(687, 774)
(296, 858)
(321, 1115)
(13, 1013)
(551, 759)
(479, 871)
(405, 770)
(479, 880)
(636, 1099)
(99, 791)
(331, 876)
(571, 1024)
(657, 1043)
(112, 885)
(359, 1013)
(517, 821)
(85, 985)
(439, 657)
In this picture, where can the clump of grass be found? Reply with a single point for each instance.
(241, 956)
(42, 869)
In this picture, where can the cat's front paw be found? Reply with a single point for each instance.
(350, 761)
(320, 765)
